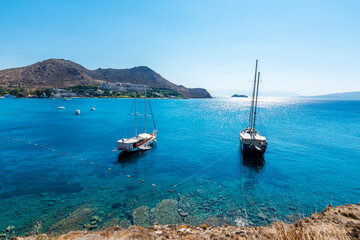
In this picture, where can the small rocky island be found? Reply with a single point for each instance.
(239, 95)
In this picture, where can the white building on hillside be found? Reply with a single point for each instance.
(123, 87)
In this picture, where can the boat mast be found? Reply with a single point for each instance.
(256, 99)
(145, 109)
(152, 115)
(252, 100)
(135, 115)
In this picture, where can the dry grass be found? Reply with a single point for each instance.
(323, 232)
(204, 226)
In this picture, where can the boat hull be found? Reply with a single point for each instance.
(252, 150)
(251, 142)
(139, 145)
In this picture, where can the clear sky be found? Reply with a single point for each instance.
(308, 47)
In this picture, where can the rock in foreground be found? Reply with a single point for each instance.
(342, 222)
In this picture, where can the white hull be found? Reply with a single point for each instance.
(141, 142)
(252, 142)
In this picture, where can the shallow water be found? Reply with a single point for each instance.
(312, 160)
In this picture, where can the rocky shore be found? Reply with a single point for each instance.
(341, 222)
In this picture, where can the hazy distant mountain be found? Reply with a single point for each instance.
(344, 95)
(59, 73)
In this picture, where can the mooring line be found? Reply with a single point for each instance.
(222, 157)
(109, 170)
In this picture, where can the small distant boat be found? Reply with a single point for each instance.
(77, 112)
(141, 141)
(251, 141)
(92, 109)
(67, 98)
(58, 106)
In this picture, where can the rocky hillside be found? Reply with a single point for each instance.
(59, 73)
(342, 222)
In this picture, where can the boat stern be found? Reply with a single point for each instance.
(252, 143)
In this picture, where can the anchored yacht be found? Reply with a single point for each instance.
(141, 141)
(251, 141)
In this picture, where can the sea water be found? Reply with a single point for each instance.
(55, 164)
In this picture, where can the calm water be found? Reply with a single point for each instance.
(312, 161)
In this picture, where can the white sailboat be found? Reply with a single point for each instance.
(59, 107)
(251, 141)
(141, 141)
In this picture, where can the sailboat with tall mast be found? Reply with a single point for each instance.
(251, 141)
(59, 106)
(141, 141)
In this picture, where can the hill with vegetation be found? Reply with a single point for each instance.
(60, 73)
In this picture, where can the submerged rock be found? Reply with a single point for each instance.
(192, 220)
(131, 204)
(74, 221)
(112, 223)
(342, 222)
(141, 216)
(220, 220)
(93, 226)
(96, 219)
(166, 212)
(183, 214)
(116, 205)
(241, 222)
(125, 223)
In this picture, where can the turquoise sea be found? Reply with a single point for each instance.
(60, 169)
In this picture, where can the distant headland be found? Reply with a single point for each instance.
(239, 95)
(343, 95)
(65, 74)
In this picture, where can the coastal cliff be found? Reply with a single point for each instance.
(341, 222)
(60, 73)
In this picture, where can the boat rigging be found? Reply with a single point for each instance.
(141, 141)
(251, 141)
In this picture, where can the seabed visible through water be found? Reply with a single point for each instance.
(59, 169)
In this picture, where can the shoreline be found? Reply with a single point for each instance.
(341, 222)
(102, 98)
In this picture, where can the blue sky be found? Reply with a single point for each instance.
(308, 47)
